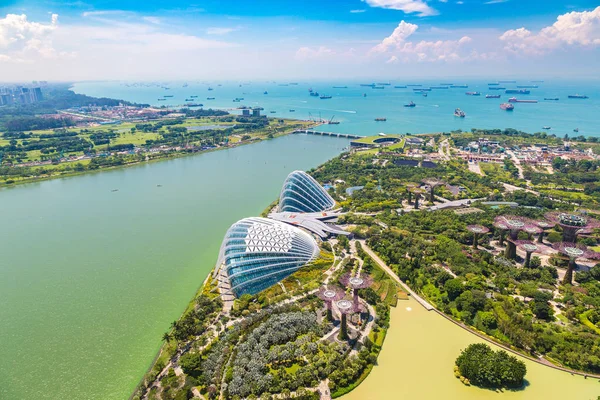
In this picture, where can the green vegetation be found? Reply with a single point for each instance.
(479, 365)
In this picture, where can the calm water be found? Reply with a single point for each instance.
(90, 278)
(357, 113)
(417, 362)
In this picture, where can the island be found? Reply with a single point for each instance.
(493, 230)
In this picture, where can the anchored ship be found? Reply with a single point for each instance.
(507, 106)
(492, 96)
(515, 100)
(459, 113)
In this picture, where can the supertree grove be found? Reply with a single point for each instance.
(572, 223)
(329, 295)
(574, 251)
(513, 224)
(477, 230)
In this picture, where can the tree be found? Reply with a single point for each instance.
(454, 288)
(484, 367)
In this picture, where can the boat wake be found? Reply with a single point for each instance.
(346, 111)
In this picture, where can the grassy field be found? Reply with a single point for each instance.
(496, 171)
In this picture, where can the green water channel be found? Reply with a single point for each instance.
(417, 359)
(90, 277)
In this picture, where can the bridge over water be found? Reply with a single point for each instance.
(334, 134)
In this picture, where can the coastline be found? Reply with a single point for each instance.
(167, 156)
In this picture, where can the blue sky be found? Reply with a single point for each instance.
(127, 39)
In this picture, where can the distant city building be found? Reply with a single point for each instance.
(302, 193)
(256, 253)
(20, 94)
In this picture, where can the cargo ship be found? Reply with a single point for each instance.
(367, 84)
(446, 84)
(578, 96)
(497, 88)
(546, 127)
(380, 119)
(340, 87)
(459, 86)
(325, 97)
(378, 87)
(194, 104)
(493, 84)
(517, 91)
(527, 86)
(210, 98)
(551, 98)
(194, 96)
(168, 95)
(473, 93)
(314, 94)
(439, 87)
(507, 106)
(414, 84)
(422, 90)
(384, 84)
(411, 104)
(515, 100)
(492, 96)
(399, 87)
(459, 113)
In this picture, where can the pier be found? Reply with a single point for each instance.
(334, 134)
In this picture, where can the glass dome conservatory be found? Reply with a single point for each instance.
(257, 252)
(302, 193)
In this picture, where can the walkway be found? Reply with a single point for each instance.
(391, 273)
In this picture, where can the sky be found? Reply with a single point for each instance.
(75, 40)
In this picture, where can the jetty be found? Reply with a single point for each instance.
(334, 134)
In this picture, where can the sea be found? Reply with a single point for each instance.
(356, 107)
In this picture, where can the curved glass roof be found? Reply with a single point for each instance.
(302, 193)
(257, 252)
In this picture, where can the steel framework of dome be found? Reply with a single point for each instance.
(257, 252)
(572, 223)
(303, 194)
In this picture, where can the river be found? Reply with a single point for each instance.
(92, 277)
(417, 360)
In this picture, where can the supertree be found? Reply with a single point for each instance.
(346, 307)
(502, 227)
(409, 189)
(532, 230)
(432, 183)
(529, 248)
(572, 223)
(329, 295)
(477, 230)
(573, 251)
(543, 225)
(513, 224)
(418, 192)
(359, 281)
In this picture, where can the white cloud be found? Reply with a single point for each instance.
(307, 53)
(570, 29)
(357, 11)
(21, 39)
(397, 38)
(408, 6)
(399, 48)
(220, 31)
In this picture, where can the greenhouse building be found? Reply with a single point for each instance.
(256, 253)
(301, 193)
